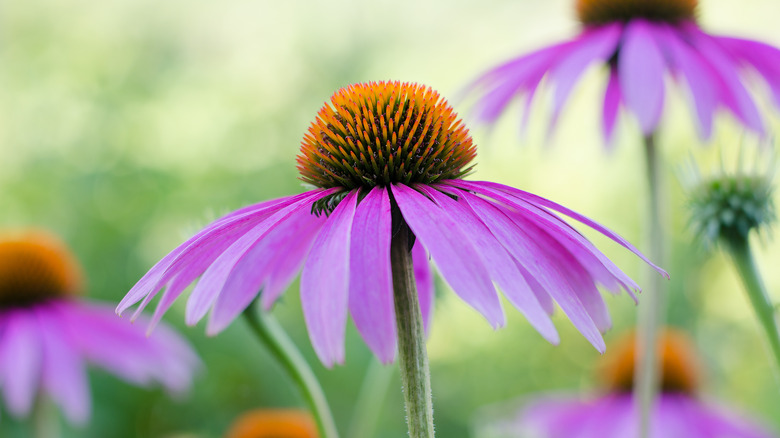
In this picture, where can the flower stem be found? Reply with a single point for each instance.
(370, 400)
(739, 249)
(271, 334)
(413, 358)
(652, 307)
(44, 418)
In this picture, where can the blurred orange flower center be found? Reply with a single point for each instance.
(595, 12)
(35, 266)
(381, 133)
(273, 423)
(678, 363)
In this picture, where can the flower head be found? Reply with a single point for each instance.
(273, 423)
(48, 333)
(640, 42)
(386, 155)
(678, 412)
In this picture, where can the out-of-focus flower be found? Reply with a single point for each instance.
(640, 42)
(679, 412)
(48, 333)
(273, 423)
(387, 155)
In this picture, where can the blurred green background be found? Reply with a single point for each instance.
(126, 125)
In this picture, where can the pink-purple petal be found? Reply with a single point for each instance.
(63, 373)
(371, 279)
(325, 283)
(612, 100)
(21, 355)
(596, 44)
(284, 245)
(641, 69)
(454, 254)
(500, 264)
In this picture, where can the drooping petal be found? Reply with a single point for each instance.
(284, 245)
(641, 72)
(734, 94)
(325, 283)
(546, 203)
(594, 45)
(510, 79)
(765, 59)
(424, 277)
(599, 266)
(142, 360)
(454, 254)
(213, 279)
(538, 264)
(612, 100)
(63, 372)
(21, 358)
(502, 268)
(698, 75)
(151, 281)
(371, 279)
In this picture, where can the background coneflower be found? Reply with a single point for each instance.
(49, 333)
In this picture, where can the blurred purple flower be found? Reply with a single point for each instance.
(640, 41)
(678, 413)
(47, 335)
(386, 155)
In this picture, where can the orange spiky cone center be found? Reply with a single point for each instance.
(678, 364)
(35, 266)
(596, 12)
(273, 423)
(381, 133)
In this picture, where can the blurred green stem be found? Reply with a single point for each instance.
(652, 306)
(740, 252)
(45, 422)
(412, 356)
(370, 400)
(272, 335)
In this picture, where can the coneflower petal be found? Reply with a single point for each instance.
(19, 377)
(423, 274)
(453, 252)
(500, 264)
(612, 99)
(641, 71)
(371, 301)
(325, 283)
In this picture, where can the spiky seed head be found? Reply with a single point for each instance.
(597, 12)
(273, 423)
(730, 206)
(381, 133)
(36, 266)
(679, 367)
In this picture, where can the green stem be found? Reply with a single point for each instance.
(739, 249)
(284, 351)
(45, 422)
(652, 306)
(370, 400)
(412, 356)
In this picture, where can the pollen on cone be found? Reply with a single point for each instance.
(605, 11)
(35, 265)
(273, 423)
(680, 370)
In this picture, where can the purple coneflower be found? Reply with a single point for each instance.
(48, 334)
(678, 412)
(384, 156)
(273, 423)
(640, 41)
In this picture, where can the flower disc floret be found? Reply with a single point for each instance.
(597, 12)
(34, 267)
(730, 206)
(383, 133)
